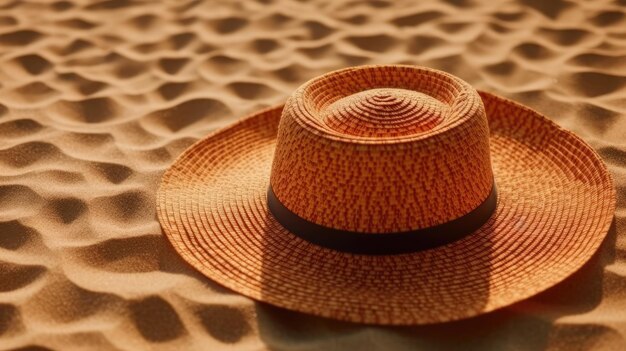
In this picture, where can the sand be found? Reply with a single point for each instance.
(98, 98)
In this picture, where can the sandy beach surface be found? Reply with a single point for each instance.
(98, 98)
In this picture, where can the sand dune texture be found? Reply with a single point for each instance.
(98, 98)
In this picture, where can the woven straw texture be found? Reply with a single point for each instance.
(556, 202)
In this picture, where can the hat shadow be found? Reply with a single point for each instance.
(527, 324)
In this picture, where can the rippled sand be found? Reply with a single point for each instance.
(98, 98)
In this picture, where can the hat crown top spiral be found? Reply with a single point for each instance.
(382, 149)
(384, 112)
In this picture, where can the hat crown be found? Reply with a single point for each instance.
(382, 149)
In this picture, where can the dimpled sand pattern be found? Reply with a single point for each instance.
(98, 98)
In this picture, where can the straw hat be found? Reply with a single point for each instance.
(388, 195)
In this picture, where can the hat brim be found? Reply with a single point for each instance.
(556, 203)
